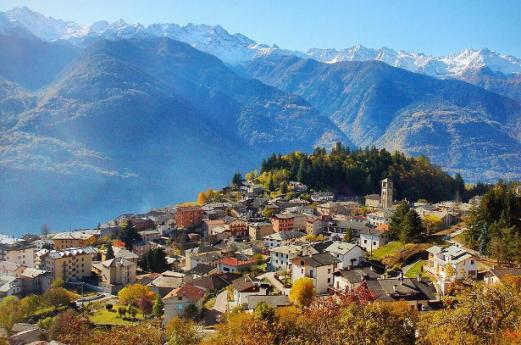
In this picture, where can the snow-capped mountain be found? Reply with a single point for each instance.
(237, 48)
(447, 66)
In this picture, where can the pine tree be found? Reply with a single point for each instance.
(271, 184)
(157, 309)
(237, 178)
(284, 187)
(411, 227)
(129, 235)
(110, 253)
(301, 170)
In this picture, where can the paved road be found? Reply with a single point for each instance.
(220, 306)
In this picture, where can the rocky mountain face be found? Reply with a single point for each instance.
(461, 127)
(140, 120)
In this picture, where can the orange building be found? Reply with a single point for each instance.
(283, 222)
(188, 216)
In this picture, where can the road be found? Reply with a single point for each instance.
(220, 306)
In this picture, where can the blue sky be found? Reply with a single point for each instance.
(433, 27)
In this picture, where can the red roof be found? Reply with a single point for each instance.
(191, 292)
(231, 261)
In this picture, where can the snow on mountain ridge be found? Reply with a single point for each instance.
(237, 48)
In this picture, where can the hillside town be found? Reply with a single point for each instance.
(238, 248)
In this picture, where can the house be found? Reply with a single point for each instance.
(21, 255)
(150, 235)
(259, 230)
(73, 239)
(351, 278)
(201, 255)
(372, 201)
(69, 264)
(179, 300)
(201, 270)
(142, 223)
(380, 217)
(416, 292)
(244, 287)
(497, 275)
(373, 238)
(450, 264)
(238, 228)
(166, 282)
(280, 257)
(215, 282)
(122, 253)
(283, 222)
(116, 273)
(142, 247)
(9, 268)
(282, 238)
(314, 225)
(235, 264)
(10, 286)
(298, 187)
(35, 281)
(255, 189)
(318, 267)
(322, 196)
(188, 216)
(349, 254)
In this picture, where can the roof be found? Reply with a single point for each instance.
(166, 282)
(244, 283)
(55, 254)
(117, 262)
(273, 300)
(289, 249)
(407, 289)
(202, 269)
(503, 272)
(358, 275)
(338, 247)
(215, 282)
(284, 216)
(125, 254)
(73, 235)
(284, 235)
(232, 261)
(316, 260)
(373, 196)
(33, 272)
(188, 291)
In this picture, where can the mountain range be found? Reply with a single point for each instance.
(113, 117)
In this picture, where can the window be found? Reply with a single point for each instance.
(365, 241)
(328, 280)
(328, 270)
(472, 262)
(374, 243)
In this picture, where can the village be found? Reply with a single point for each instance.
(240, 248)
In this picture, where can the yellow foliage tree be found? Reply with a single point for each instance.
(132, 294)
(302, 292)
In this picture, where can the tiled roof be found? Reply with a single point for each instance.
(189, 291)
(316, 260)
(231, 261)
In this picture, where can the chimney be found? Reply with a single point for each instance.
(401, 277)
(418, 278)
(394, 288)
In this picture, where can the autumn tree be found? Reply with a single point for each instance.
(302, 292)
(29, 304)
(143, 333)
(56, 297)
(70, 328)
(432, 223)
(10, 312)
(132, 294)
(242, 328)
(481, 316)
(181, 332)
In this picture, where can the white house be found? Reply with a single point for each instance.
(349, 254)
(450, 264)
(318, 267)
(373, 238)
(379, 217)
(178, 300)
(280, 257)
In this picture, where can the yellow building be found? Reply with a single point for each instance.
(70, 264)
